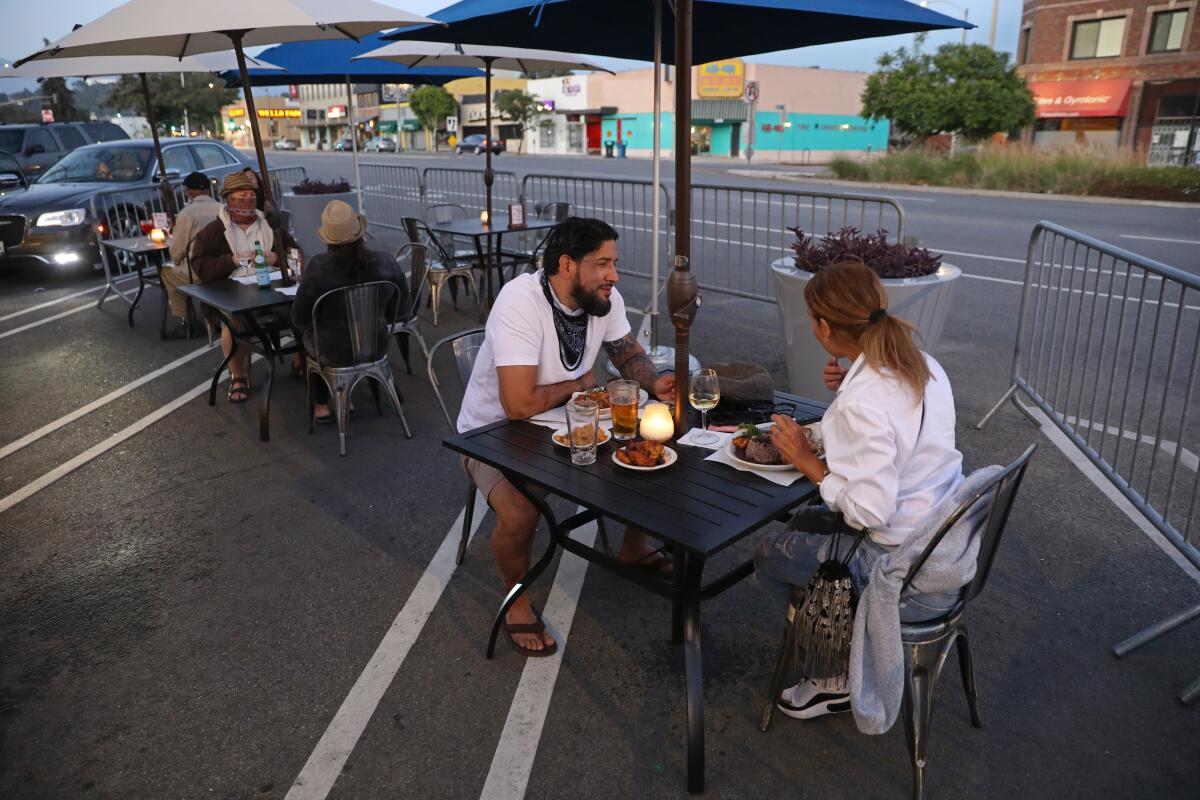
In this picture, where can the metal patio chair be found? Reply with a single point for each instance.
(530, 257)
(927, 644)
(443, 265)
(460, 246)
(370, 311)
(409, 322)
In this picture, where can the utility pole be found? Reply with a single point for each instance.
(992, 30)
(183, 85)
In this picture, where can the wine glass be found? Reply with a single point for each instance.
(704, 393)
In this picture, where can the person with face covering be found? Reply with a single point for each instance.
(542, 338)
(225, 248)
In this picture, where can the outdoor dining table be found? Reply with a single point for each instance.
(265, 314)
(140, 248)
(477, 231)
(697, 507)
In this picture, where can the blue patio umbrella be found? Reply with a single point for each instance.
(331, 60)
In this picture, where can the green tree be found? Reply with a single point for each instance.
(61, 100)
(432, 104)
(171, 97)
(546, 73)
(970, 90)
(520, 107)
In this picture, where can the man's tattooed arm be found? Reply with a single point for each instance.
(632, 362)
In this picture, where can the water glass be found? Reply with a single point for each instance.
(623, 400)
(582, 425)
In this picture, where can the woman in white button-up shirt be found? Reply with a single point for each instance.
(889, 451)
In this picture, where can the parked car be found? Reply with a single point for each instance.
(53, 219)
(38, 147)
(284, 144)
(381, 144)
(344, 144)
(476, 142)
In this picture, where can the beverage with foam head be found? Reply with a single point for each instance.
(623, 401)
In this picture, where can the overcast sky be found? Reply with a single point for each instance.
(27, 21)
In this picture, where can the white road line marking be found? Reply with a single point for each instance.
(1159, 239)
(49, 428)
(1005, 259)
(53, 318)
(1089, 471)
(324, 765)
(993, 280)
(513, 761)
(62, 299)
(1189, 459)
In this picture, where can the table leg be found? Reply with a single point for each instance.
(212, 389)
(270, 353)
(487, 276)
(694, 668)
(141, 288)
(677, 600)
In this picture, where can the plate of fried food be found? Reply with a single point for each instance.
(752, 445)
(600, 395)
(644, 456)
(583, 436)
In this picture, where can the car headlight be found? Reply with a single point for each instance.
(72, 216)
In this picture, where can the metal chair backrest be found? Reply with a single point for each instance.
(555, 211)
(1001, 491)
(418, 267)
(445, 212)
(465, 345)
(419, 232)
(370, 313)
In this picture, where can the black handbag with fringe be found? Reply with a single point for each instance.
(826, 617)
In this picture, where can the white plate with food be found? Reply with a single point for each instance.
(559, 437)
(652, 454)
(600, 395)
(751, 445)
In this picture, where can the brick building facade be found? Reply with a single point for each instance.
(1119, 73)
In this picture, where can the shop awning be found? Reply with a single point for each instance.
(728, 110)
(1109, 98)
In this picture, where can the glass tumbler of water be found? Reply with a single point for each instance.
(623, 400)
(582, 427)
(704, 393)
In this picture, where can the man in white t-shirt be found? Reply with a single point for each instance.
(542, 338)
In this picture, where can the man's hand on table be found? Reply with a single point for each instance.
(664, 386)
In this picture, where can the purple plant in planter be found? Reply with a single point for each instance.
(888, 259)
(310, 186)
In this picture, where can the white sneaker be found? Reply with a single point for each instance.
(809, 699)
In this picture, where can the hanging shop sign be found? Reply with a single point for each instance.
(721, 79)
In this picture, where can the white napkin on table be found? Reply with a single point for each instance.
(722, 438)
(290, 291)
(781, 477)
(557, 418)
(248, 280)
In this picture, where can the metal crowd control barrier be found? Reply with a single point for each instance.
(1108, 347)
(392, 192)
(465, 187)
(282, 181)
(737, 233)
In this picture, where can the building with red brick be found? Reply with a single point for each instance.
(1122, 73)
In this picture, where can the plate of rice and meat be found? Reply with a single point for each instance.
(752, 445)
(604, 405)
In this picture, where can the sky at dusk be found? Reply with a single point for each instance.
(25, 23)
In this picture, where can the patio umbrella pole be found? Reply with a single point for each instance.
(488, 177)
(656, 180)
(164, 185)
(350, 112)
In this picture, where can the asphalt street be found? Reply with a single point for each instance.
(189, 612)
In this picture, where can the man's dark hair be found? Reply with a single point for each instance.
(575, 237)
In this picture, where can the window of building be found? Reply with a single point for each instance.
(1023, 48)
(1098, 38)
(1166, 31)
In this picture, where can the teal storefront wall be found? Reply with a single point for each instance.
(807, 132)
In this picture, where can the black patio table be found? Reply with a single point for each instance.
(477, 231)
(141, 248)
(698, 507)
(258, 309)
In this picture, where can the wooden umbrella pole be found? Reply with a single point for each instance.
(164, 185)
(488, 176)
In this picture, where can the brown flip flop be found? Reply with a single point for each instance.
(534, 627)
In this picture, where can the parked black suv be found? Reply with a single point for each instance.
(38, 147)
(54, 218)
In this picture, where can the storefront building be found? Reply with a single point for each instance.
(1125, 77)
(325, 114)
(278, 118)
(570, 124)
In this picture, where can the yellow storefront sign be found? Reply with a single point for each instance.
(721, 79)
(268, 113)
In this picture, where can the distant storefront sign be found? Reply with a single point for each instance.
(1107, 98)
(571, 86)
(335, 112)
(267, 113)
(721, 79)
(294, 91)
(396, 92)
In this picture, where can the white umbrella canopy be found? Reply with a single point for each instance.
(95, 66)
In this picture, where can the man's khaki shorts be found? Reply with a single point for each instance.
(487, 477)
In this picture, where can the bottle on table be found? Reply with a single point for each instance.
(261, 273)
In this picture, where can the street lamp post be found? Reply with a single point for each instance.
(966, 13)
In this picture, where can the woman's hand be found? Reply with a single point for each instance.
(834, 374)
(272, 257)
(792, 443)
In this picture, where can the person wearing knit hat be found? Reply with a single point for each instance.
(347, 261)
(200, 210)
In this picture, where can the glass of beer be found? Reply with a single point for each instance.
(582, 426)
(623, 400)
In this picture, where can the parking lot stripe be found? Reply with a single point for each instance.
(316, 779)
(1159, 239)
(513, 760)
(67, 419)
(58, 300)
(59, 316)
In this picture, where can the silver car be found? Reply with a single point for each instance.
(381, 144)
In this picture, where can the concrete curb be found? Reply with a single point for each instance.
(801, 177)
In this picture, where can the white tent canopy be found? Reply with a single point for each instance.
(95, 66)
(440, 54)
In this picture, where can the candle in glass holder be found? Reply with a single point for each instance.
(657, 423)
(157, 235)
(483, 217)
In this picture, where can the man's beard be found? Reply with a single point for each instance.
(591, 302)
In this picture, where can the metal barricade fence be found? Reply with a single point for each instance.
(737, 233)
(1108, 347)
(282, 181)
(465, 187)
(392, 192)
(627, 205)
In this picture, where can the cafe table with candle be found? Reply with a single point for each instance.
(479, 229)
(148, 255)
(698, 508)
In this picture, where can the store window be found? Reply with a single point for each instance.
(546, 134)
(1023, 51)
(1166, 31)
(1098, 38)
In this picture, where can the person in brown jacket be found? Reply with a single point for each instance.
(225, 248)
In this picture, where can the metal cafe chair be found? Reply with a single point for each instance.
(370, 311)
(927, 644)
(409, 323)
(460, 246)
(443, 265)
(530, 258)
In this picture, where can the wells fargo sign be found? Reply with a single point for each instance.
(1108, 98)
(267, 113)
(721, 79)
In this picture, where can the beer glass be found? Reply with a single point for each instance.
(623, 400)
(582, 426)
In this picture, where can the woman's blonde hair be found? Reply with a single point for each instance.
(850, 298)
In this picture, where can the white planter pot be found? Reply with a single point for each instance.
(306, 217)
(925, 302)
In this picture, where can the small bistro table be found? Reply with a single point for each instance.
(474, 229)
(139, 248)
(257, 309)
(698, 507)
